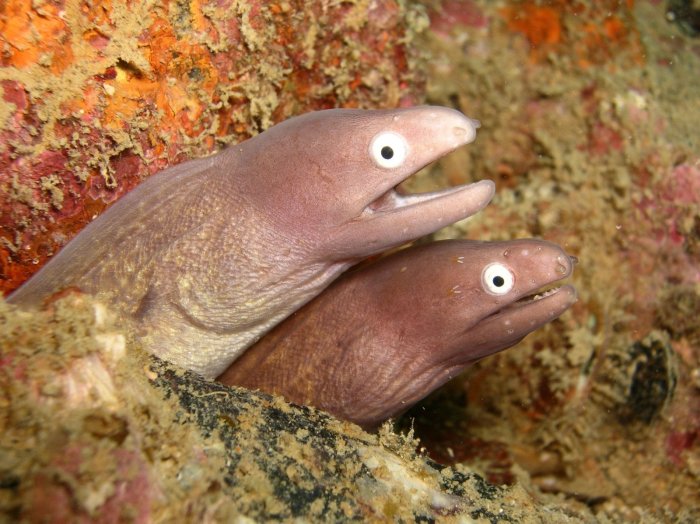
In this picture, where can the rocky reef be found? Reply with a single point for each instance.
(589, 128)
(96, 430)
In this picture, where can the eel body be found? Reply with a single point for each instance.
(207, 256)
(384, 336)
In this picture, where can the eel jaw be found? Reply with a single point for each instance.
(510, 324)
(393, 200)
(530, 299)
(393, 219)
(536, 309)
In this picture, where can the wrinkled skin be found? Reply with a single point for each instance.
(208, 255)
(384, 336)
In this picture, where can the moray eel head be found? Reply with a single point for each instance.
(510, 297)
(384, 336)
(340, 168)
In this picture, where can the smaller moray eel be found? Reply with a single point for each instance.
(207, 256)
(384, 336)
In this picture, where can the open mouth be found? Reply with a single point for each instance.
(393, 218)
(393, 200)
(538, 297)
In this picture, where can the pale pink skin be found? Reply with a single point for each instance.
(207, 256)
(385, 336)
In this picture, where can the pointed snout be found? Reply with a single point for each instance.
(539, 262)
(443, 129)
(454, 127)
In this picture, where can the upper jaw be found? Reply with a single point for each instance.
(436, 132)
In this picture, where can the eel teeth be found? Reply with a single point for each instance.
(544, 294)
(534, 297)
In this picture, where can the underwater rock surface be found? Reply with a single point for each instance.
(94, 430)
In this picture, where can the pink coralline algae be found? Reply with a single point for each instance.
(95, 99)
(671, 208)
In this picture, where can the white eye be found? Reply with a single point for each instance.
(388, 149)
(497, 279)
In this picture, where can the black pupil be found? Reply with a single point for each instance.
(498, 281)
(387, 153)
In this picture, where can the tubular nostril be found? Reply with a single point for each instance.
(461, 131)
(565, 264)
(574, 260)
(466, 132)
